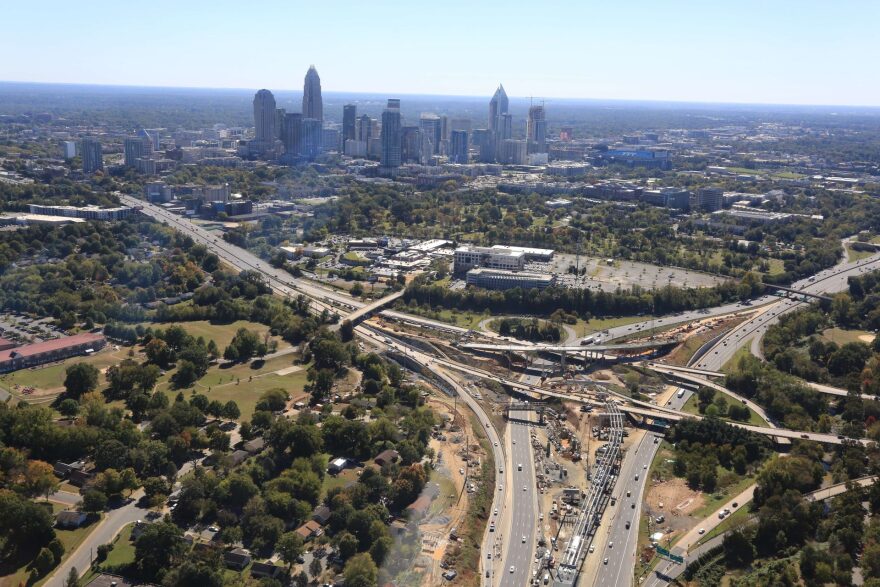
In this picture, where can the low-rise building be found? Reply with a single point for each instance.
(87, 212)
(38, 353)
(501, 280)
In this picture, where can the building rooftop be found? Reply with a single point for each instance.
(39, 348)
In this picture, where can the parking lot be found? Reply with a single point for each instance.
(599, 274)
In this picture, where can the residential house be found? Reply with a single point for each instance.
(237, 559)
(386, 457)
(70, 519)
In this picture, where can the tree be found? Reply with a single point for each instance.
(72, 578)
(301, 579)
(290, 547)
(39, 479)
(231, 410)
(360, 571)
(159, 353)
(315, 568)
(44, 561)
(94, 501)
(346, 331)
(159, 547)
(80, 378)
(738, 549)
(186, 374)
(69, 408)
(347, 546)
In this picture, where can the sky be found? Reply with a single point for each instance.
(742, 51)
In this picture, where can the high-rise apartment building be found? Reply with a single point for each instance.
(391, 131)
(536, 132)
(709, 199)
(349, 122)
(313, 106)
(135, 148)
(92, 155)
(459, 147)
(68, 149)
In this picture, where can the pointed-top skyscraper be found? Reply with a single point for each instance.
(313, 106)
(497, 106)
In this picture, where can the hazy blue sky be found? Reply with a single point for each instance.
(774, 51)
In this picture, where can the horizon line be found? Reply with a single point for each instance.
(470, 96)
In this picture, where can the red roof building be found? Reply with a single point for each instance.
(38, 353)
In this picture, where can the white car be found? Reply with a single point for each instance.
(511, 568)
(496, 511)
(525, 488)
(701, 531)
(592, 548)
(605, 562)
(524, 538)
(611, 545)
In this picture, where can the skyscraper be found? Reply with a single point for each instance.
(313, 106)
(92, 155)
(459, 147)
(349, 122)
(365, 126)
(498, 105)
(500, 122)
(264, 122)
(391, 124)
(537, 130)
(135, 148)
(432, 127)
(291, 135)
(311, 138)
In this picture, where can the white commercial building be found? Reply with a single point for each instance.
(468, 257)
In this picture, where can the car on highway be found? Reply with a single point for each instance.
(627, 524)
(592, 548)
(637, 477)
(611, 544)
(525, 488)
(605, 562)
(512, 569)
(496, 511)
(524, 538)
(701, 531)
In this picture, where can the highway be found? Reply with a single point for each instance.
(622, 556)
(517, 510)
(520, 533)
(829, 281)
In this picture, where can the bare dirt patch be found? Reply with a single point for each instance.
(675, 501)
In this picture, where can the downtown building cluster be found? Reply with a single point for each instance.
(300, 137)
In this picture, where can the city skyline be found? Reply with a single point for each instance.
(762, 53)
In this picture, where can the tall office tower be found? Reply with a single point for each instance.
(537, 130)
(484, 142)
(279, 121)
(292, 135)
(365, 126)
(313, 107)
(92, 155)
(68, 149)
(410, 144)
(264, 120)
(390, 159)
(311, 138)
(444, 127)
(431, 127)
(503, 132)
(349, 122)
(459, 147)
(498, 105)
